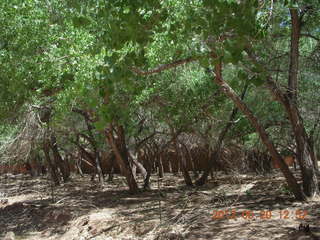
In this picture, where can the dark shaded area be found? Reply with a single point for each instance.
(174, 202)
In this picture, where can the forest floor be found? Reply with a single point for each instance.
(259, 207)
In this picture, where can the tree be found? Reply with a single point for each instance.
(225, 36)
(95, 54)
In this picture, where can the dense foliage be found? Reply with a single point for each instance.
(147, 66)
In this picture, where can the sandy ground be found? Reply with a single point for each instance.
(237, 207)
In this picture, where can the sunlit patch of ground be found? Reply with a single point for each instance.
(238, 207)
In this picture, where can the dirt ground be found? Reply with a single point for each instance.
(239, 207)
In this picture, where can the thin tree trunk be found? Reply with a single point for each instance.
(216, 152)
(91, 161)
(312, 139)
(120, 150)
(140, 167)
(193, 168)
(63, 165)
(112, 157)
(294, 56)
(52, 167)
(159, 164)
(305, 154)
(227, 90)
(98, 166)
(148, 168)
(314, 155)
(147, 156)
(182, 158)
(35, 165)
(78, 165)
(91, 139)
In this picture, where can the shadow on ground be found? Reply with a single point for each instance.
(242, 207)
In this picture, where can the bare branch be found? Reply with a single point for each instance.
(310, 36)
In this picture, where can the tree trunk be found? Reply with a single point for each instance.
(97, 154)
(89, 158)
(182, 158)
(112, 157)
(140, 167)
(146, 160)
(35, 166)
(146, 184)
(159, 164)
(314, 155)
(195, 173)
(227, 90)
(52, 167)
(78, 165)
(90, 138)
(120, 150)
(63, 165)
(211, 160)
(294, 56)
(216, 152)
(305, 153)
(98, 166)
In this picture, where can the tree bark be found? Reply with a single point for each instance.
(110, 158)
(181, 156)
(62, 165)
(227, 90)
(216, 152)
(193, 167)
(89, 158)
(305, 154)
(120, 150)
(294, 56)
(52, 167)
(140, 167)
(35, 166)
(93, 143)
(95, 157)
(313, 155)
(142, 155)
(159, 165)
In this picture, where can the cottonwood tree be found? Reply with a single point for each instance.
(218, 34)
(95, 54)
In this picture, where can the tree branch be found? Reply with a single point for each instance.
(164, 66)
(310, 36)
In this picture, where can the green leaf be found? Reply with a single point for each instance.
(242, 75)
(126, 10)
(102, 92)
(293, 4)
(229, 58)
(81, 21)
(67, 77)
(257, 80)
(100, 125)
(204, 62)
(257, 68)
